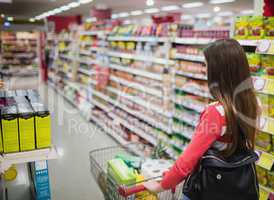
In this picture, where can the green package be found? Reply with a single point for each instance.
(263, 141)
(256, 27)
(120, 172)
(269, 27)
(241, 27)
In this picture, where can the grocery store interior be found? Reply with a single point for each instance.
(92, 89)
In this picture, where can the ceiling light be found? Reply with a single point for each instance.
(220, 1)
(91, 19)
(32, 20)
(2, 15)
(225, 14)
(10, 19)
(85, 1)
(65, 8)
(170, 8)
(152, 10)
(114, 16)
(247, 12)
(203, 15)
(73, 4)
(150, 2)
(136, 12)
(7, 24)
(186, 17)
(123, 14)
(216, 9)
(193, 5)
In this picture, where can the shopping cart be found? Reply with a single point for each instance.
(113, 191)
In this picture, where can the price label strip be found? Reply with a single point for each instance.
(263, 85)
(267, 125)
(265, 47)
(266, 161)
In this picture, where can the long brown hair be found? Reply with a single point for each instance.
(230, 83)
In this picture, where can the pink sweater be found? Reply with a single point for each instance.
(208, 134)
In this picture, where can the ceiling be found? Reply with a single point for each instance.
(31, 8)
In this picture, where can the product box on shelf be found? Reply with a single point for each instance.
(9, 123)
(26, 124)
(42, 125)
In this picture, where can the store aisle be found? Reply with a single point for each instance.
(74, 137)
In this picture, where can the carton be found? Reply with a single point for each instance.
(26, 124)
(42, 125)
(9, 127)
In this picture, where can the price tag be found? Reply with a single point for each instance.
(259, 83)
(269, 87)
(263, 194)
(266, 161)
(264, 46)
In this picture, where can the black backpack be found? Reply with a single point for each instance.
(216, 178)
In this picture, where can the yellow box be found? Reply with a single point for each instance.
(10, 134)
(27, 133)
(43, 131)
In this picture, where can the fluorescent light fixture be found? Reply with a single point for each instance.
(203, 15)
(32, 20)
(123, 14)
(193, 5)
(136, 12)
(225, 14)
(85, 1)
(73, 4)
(2, 15)
(114, 16)
(152, 10)
(150, 2)
(10, 19)
(220, 1)
(65, 8)
(216, 9)
(170, 8)
(91, 19)
(247, 12)
(5, 1)
(186, 17)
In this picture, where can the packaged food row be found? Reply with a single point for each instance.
(261, 64)
(190, 50)
(265, 142)
(267, 104)
(191, 67)
(265, 178)
(254, 27)
(25, 121)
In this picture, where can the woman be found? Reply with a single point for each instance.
(235, 110)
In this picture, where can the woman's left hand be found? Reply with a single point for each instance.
(153, 186)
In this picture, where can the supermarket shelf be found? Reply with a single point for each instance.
(138, 39)
(267, 125)
(187, 120)
(266, 190)
(77, 85)
(85, 52)
(192, 75)
(137, 72)
(86, 71)
(139, 115)
(137, 86)
(89, 62)
(263, 85)
(190, 57)
(109, 131)
(139, 101)
(249, 42)
(66, 57)
(190, 91)
(144, 58)
(266, 159)
(198, 41)
(6, 160)
(190, 105)
(92, 33)
(184, 134)
(93, 82)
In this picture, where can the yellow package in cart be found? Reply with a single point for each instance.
(43, 131)
(10, 129)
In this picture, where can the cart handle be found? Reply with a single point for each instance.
(125, 192)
